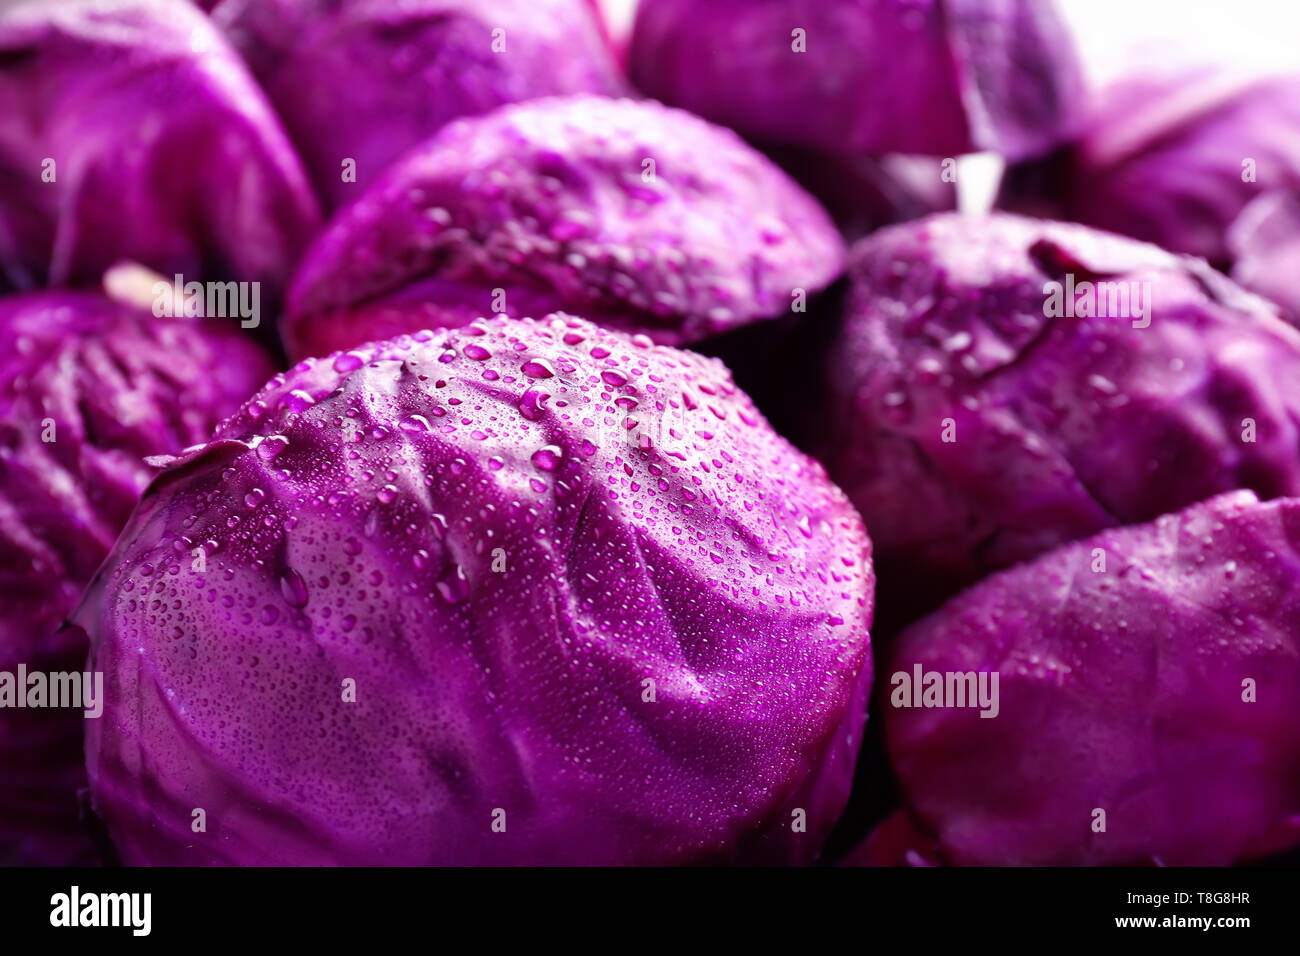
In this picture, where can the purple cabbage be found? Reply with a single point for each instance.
(936, 77)
(584, 592)
(1173, 160)
(975, 424)
(129, 130)
(1264, 244)
(635, 216)
(366, 80)
(87, 390)
(1151, 673)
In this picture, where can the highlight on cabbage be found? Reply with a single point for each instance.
(1264, 244)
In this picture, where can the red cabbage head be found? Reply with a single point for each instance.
(1174, 159)
(524, 592)
(1144, 698)
(358, 82)
(934, 77)
(88, 389)
(129, 130)
(1005, 385)
(636, 216)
